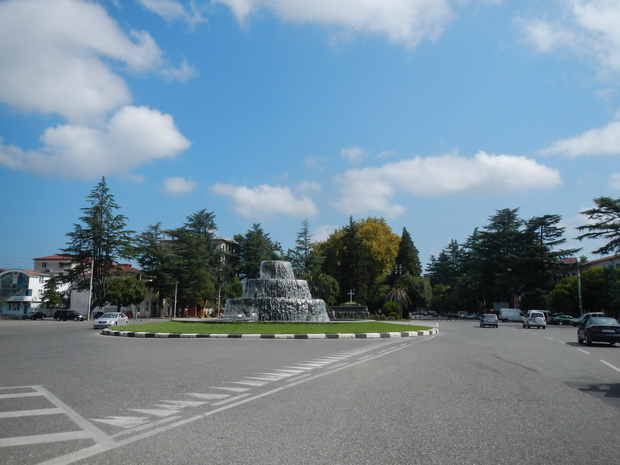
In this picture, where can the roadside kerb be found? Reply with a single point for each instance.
(432, 331)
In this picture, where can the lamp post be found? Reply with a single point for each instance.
(174, 311)
(579, 289)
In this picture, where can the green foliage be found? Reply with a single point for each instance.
(600, 291)
(407, 258)
(604, 223)
(358, 255)
(254, 247)
(400, 297)
(563, 298)
(125, 290)
(52, 298)
(392, 309)
(509, 257)
(97, 244)
(305, 259)
(272, 328)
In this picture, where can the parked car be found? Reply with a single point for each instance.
(65, 315)
(111, 319)
(489, 319)
(561, 320)
(534, 318)
(582, 318)
(599, 329)
(33, 315)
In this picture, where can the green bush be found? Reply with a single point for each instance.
(391, 308)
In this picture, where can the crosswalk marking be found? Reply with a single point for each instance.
(31, 413)
(44, 438)
(156, 412)
(208, 396)
(123, 422)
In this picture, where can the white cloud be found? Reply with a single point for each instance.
(353, 154)
(133, 136)
(588, 27)
(182, 73)
(316, 163)
(310, 187)
(178, 186)
(265, 200)
(402, 21)
(172, 10)
(599, 141)
(57, 58)
(372, 189)
(323, 232)
(614, 181)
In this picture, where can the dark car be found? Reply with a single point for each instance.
(599, 329)
(34, 315)
(65, 315)
(561, 320)
(489, 319)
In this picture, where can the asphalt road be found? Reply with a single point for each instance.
(466, 396)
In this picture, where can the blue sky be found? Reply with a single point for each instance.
(432, 114)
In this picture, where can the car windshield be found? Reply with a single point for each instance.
(490, 316)
(599, 321)
(536, 315)
(109, 315)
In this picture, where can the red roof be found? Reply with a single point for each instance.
(54, 257)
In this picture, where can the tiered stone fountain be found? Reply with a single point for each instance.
(276, 296)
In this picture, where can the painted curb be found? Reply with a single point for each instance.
(110, 332)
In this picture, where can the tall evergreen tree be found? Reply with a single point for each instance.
(408, 258)
(304, 258)
(193, 260)
(254, 247)
(154, 256)
(97, 244)
(604, 224)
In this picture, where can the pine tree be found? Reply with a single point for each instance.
(97, 244)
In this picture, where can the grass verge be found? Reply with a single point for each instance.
(270, 328)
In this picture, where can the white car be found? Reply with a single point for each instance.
(535, 318)
(111, 319)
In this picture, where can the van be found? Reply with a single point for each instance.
(510, 314)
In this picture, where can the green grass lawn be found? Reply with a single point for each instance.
(269, 328)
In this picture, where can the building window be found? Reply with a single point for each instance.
(43, 264)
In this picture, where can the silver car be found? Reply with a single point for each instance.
(111, 319)
(489, 319)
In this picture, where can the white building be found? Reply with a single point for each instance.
(20, 290)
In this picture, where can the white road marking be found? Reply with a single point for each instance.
(610, 365)
(184, 403)
(30, 413)
(200, 395)
(156, 412)
(44, 438)
(123, 422)
(584, 351)
(231, 389)
(251, 383)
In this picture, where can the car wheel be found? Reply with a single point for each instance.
(588, 340)
(579, 340)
